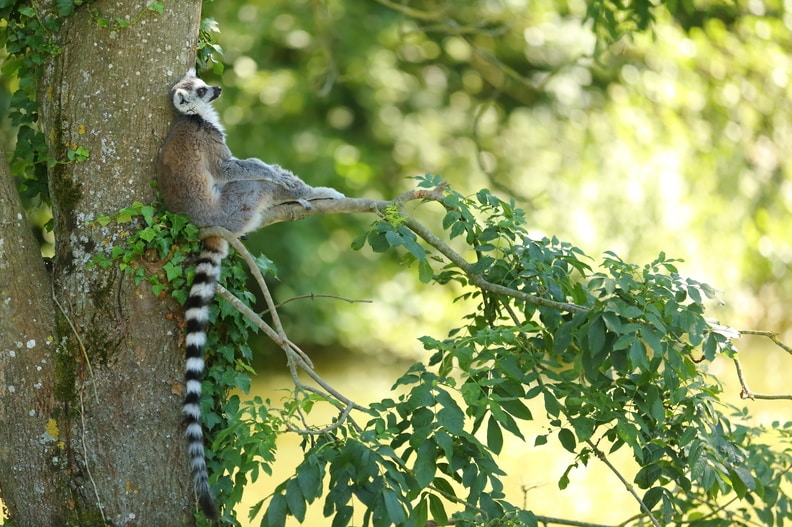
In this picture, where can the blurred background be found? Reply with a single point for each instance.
(670, 139)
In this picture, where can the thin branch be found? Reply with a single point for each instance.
(477, 279)
(746, 393)
(343, 417)
(294, 355)
(772, 335)
(296, 211)
(549, 520)
(602, 457)
(312, 296)
(286, 345)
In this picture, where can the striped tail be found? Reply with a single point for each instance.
(196, 314)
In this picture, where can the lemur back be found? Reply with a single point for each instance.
(199, 177)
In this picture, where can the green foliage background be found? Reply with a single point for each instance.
(673, 138)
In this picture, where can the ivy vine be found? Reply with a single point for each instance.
(30, 40)
(159, 248)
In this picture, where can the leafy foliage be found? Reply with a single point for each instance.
(613, 358)
(29, 41)
(29, 36)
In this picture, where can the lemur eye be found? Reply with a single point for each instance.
(201, 91)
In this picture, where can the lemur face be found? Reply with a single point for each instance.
(192, 96)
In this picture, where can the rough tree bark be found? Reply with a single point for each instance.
(90, 368)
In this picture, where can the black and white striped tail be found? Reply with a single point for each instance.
(196, 315)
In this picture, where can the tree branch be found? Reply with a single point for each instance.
(745, 392)
(294, 355)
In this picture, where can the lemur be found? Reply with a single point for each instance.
(199, 177)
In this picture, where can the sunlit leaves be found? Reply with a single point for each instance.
(618, 370)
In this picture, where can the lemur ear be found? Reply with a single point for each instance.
(190, 72)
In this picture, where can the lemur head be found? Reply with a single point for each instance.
(192, 96)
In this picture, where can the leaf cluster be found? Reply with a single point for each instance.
(612, 357)
(29, 39)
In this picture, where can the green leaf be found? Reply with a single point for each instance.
(567, 439)
(653, 496)
(103, 220)
(552, 406)
(742, 481)
(426, 463)
(394, 508)
(421, 512)
(359, 242)
(295, 500)
(425, 272)
(638, 356)
(276, 512)
(393, 239)
(450, 415)
(157, 7)
(494, 435)
(596, 336)
(517, 408)
(437, 509)
(646, 477)
(309, 477)
(342, 516)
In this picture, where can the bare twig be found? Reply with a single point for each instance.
(287, 346)
(746, 393)
(772, 335)
(295, 357)
(602, 457)
(549, 520)
(312, 296)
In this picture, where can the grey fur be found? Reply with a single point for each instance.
(200, 178)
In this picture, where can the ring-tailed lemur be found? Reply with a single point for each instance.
(200, 178)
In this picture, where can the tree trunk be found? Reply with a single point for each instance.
(91, 369)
